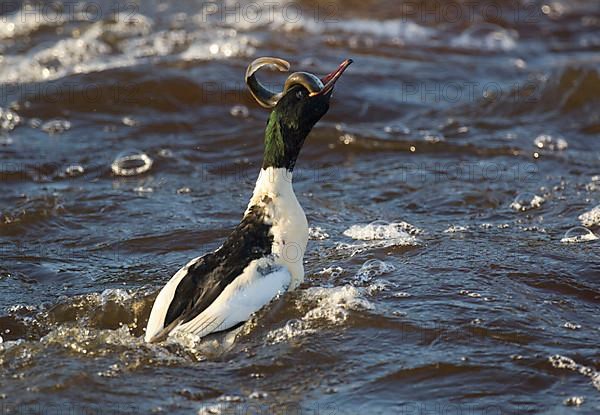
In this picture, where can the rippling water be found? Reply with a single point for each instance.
(443, 273)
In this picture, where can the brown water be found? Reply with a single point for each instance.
(468, 130)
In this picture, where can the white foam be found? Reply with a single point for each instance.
(71, 55)
(402, 294)
(333, 305)
(57, 126)
(579, 234)
(594, 184)
(547, 142)
(527, 201)
(574, 401)
(380, 234)
(373, 268)
(293, 328)
(390, 29)
(571, 326)
(381, 230)
(470, 293)
(332, 272)
(114, 295)
(591, 217)
(137, 43)
(8, 119)
(281, 17)
(17, 24)
(456, 229)
(317, 233)
(83, 340)
(74, 170)
(218, 45)
(143, 189)
(563, 362)
(379, 285)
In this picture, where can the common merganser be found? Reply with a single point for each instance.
(263, 256)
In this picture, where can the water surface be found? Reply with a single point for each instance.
(460, 148)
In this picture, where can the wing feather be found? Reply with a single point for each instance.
(196, 286)
(256, 287)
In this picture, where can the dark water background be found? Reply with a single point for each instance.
(468, 130)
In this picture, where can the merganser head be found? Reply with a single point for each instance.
(303, 101)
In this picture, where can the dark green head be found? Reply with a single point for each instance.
(304, 100)
(289, 123)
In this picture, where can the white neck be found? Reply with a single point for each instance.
(274, 192)
(274, 183)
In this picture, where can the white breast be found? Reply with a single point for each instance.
(288, 221)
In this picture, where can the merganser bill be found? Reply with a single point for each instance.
(263, 256)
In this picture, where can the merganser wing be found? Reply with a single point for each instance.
(199, 283)
(256, 287)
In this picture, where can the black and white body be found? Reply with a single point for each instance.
(263, 256)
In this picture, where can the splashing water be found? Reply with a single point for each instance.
(380, 234)
(527, 201)
(373, 268)
(591, 217)
(563, 362)
(547, 142)
(54, 127)
(317, 233)
(168, 79)
(578, 234)
(333, 305)
(382, 230)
